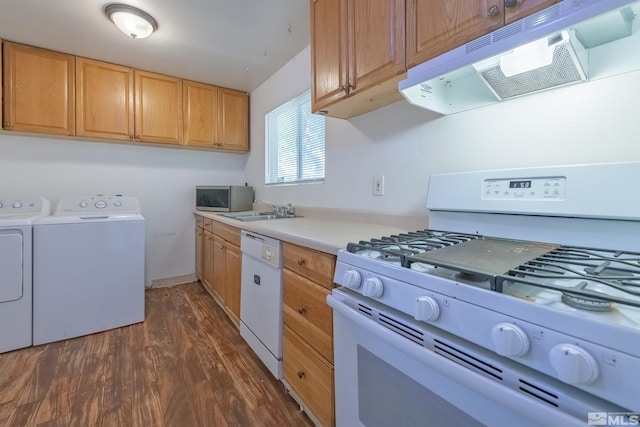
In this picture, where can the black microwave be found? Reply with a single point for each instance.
(224, 198)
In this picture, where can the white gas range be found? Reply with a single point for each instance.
(520, 304)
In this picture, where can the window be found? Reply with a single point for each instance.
(295, 143)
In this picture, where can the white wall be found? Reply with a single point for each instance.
(587, 123)
(163, 179)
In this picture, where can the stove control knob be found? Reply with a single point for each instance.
(573, 364)
(17, 205)
(509, 340)
(427, 309)
(101, 204)
(352, 279)
(372, 287)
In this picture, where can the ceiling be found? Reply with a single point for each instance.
(232, 43)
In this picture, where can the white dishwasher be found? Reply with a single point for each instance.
(261, 298)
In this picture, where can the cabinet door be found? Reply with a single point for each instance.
(38, 90)
(437, 26)
(233, 267)
(104, 100)
(158, 103)
(524, 8)
(219, 268)
(200, 114)
(208, 254)
(329, 50)
(233, 120)
(200, 239)
(376, 42)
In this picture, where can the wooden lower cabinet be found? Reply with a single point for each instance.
(307, 279)
(219, 263)
(310, 377)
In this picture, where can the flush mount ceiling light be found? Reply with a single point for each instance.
(133, 22)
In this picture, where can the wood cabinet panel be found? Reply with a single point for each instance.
(309, 376)
(306, 312)
(208, 254)
(233, 120)
(227, 232)
(376, 42)
(200, 114)
(39, 88)
(329, 52)
(104, 100)
(158, 104)
(219, 268)
(200, 253)
(525, 8)
(435, 27)
(314, 265)
(233, 265)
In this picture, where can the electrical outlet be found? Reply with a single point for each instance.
(378, 185)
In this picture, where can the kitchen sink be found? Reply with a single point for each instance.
(252, 216)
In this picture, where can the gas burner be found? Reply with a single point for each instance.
(583, 302)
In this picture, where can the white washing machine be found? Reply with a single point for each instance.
(88, 267)
(17, 216)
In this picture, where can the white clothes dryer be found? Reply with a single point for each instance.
(89, 267)
(17, 216)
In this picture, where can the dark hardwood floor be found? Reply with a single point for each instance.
(185, 365)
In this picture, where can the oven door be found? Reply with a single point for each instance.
(384, 379)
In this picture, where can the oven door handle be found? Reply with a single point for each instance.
(509, 398)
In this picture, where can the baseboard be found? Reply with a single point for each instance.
(172, 281)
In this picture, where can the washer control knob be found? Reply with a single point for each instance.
(372, 287)
(17, 205)
(427, 309)
(509, 340)
(0, 205)
(117, 204)
(352, 279)
(101, 204)
(573, 364)
(83, 204)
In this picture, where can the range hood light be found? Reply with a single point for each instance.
(525, 58)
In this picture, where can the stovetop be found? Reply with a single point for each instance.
(564, 277)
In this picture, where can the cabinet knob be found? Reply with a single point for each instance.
(6, 124)
(300, 374)
(301, 310)
(493, 10)
(510, 3)
(300, 261)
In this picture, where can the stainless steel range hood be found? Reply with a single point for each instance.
(570, 42)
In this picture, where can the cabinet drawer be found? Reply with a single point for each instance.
(312, 264)
(309, 376)
(207, 224)
(307, 313)
(199, 221)
(227, 232)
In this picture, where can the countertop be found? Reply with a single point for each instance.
(327, 230)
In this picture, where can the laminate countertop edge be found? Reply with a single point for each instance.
(324, 231)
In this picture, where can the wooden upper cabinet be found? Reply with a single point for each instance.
(329, 52)
(524, 8)
(158, 102)
(438, 26)
(233, 120)
(200, 114)
(38, 90)
(215, 117)
(104, 100)
(357, 47)
(376, 42)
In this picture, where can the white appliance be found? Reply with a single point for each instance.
(17, 216)
(504, 312)
(569, 42)
(89, 261)
(261, 302)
